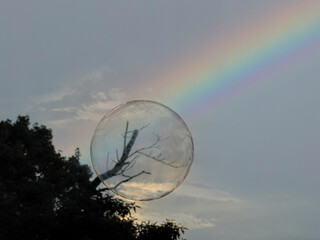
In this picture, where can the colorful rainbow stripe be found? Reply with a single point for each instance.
(240, 59)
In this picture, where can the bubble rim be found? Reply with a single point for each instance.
(148, 197)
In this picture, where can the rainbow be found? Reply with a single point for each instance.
(236, 62)
(240, 59)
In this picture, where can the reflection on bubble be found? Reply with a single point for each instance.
(142, 150)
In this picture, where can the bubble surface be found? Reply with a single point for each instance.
(142, 150)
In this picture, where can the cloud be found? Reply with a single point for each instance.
(87, 97)
(201, 191)
(99, 95)
(195, 206)
(78, 86)
(74, 108)
(55, 96)
(98, 74)
(188, 220)
(143, 189)
(60, 122)
(93, 109)
(64, 109)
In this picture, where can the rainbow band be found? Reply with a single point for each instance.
(240, 59)
(236, 62)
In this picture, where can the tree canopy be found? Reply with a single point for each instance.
(44, 195)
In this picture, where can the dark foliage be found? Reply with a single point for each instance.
(44, 195)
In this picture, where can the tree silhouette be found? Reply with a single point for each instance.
(44, 195)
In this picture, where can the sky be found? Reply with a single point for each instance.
(244, 76)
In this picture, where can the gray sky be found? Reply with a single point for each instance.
(256, 169)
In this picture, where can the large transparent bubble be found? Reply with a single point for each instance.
(142, 150)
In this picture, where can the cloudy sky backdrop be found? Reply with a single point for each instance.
(256, 168)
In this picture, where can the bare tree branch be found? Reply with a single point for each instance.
(117, 154)
(107, 162)
(153, 145)
(128, 159)
(158, 159)
(125, 136)
(143, 127)
(130, 178)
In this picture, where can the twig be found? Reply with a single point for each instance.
(125, 136)
(129, 178)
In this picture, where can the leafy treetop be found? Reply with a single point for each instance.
(44, 195)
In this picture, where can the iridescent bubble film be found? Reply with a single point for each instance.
(142, 150)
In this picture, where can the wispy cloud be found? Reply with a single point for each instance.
(93, 109)
(78, 85)
(98, 74)
(195, 206)
(74, 108)
(57, 95)
(81, 98)
(188, 220)
(64, 109)
(201, 191)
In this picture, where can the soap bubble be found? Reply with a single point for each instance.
(142, 150)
